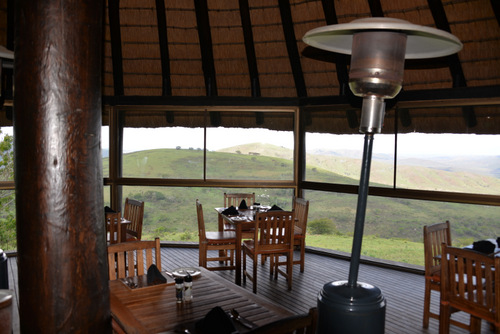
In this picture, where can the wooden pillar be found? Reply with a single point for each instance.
(63, 283)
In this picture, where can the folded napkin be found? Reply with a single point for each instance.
(216, 322)
(107, 209)
(155, 276)
(485, 246)
(231, 211)
(275, 208)
(243, 205)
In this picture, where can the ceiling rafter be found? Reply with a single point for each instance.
(206, 47)
(495, 4)
(246, 24)
(376, 8)
(291, 46)
(340, 60)
(116, 46)
(161, 19)
(441, 21)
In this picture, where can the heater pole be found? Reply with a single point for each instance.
(360, 210)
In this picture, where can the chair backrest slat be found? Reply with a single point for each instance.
(133, 258)
(274, 229)
(201, 222)
(468, 282)
(134, 212)
(434, 236)
(113, 230)
(301, 209)
(234, 199)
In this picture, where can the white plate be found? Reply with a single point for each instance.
(184, 271)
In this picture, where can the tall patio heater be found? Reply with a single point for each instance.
(378, 47)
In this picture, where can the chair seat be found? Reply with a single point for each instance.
(226, 236)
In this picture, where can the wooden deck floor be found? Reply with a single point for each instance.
(403, 291)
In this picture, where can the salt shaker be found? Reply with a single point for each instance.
(179, 289)
(188, 288)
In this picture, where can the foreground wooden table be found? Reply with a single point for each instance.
(154, 309)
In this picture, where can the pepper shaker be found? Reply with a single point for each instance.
(179, 289)
(188, 288)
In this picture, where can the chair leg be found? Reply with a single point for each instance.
(427, 304)
(255, 260)
(302, 255)
(244, 267)
(444, 319)
(289, 270)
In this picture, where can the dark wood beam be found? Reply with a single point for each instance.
(439, 15)
(116, 46)
(206, 47)
(291, 46)
(253, 71)
(376, 8)
(483, 95)
(61, 240)
(495, 4)
(163, 42)
(340, 60)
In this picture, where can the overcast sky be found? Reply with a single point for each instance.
(413, 143)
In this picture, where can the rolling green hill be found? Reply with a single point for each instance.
(170, 212)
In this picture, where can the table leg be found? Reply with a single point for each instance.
(238, 255)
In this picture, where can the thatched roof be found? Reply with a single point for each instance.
(250, 52)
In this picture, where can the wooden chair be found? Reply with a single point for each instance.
(301, 209)
(134, 211)
(273, 236)
(225, 242)
(113, 228)
(298, 324)
(133, 258)
(434, 236)
(234, 199)
(470, 282)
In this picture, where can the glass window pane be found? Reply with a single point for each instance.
(8, 240)
(170, 212)
(156, 148)
(105, 150)
(6, 154)
(393, 223)
(251, 146)
(338, 158)
(465, 163)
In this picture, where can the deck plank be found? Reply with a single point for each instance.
(403, 291)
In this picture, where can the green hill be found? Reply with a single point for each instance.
(170, 211)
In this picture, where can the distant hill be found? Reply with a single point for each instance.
(170, 210)
(478, 175)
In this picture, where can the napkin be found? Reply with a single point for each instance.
(155, 276)
(216, 322)
(275, 208)
(484, 246)
(107, 209)
(231, 211)
(243, 205)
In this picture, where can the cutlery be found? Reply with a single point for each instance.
(236, 316)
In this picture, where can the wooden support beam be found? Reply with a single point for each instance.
(61, 241)
(161, 20)
(206, 47)
(291, 46)
(116, 46)
(246, 24)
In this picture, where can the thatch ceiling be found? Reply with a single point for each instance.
(250, 52)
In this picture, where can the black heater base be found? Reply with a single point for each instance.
(343, 309)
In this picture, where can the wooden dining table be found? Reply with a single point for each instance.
(154, 309)
(240, 223)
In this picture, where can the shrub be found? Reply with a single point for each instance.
(322, 226)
